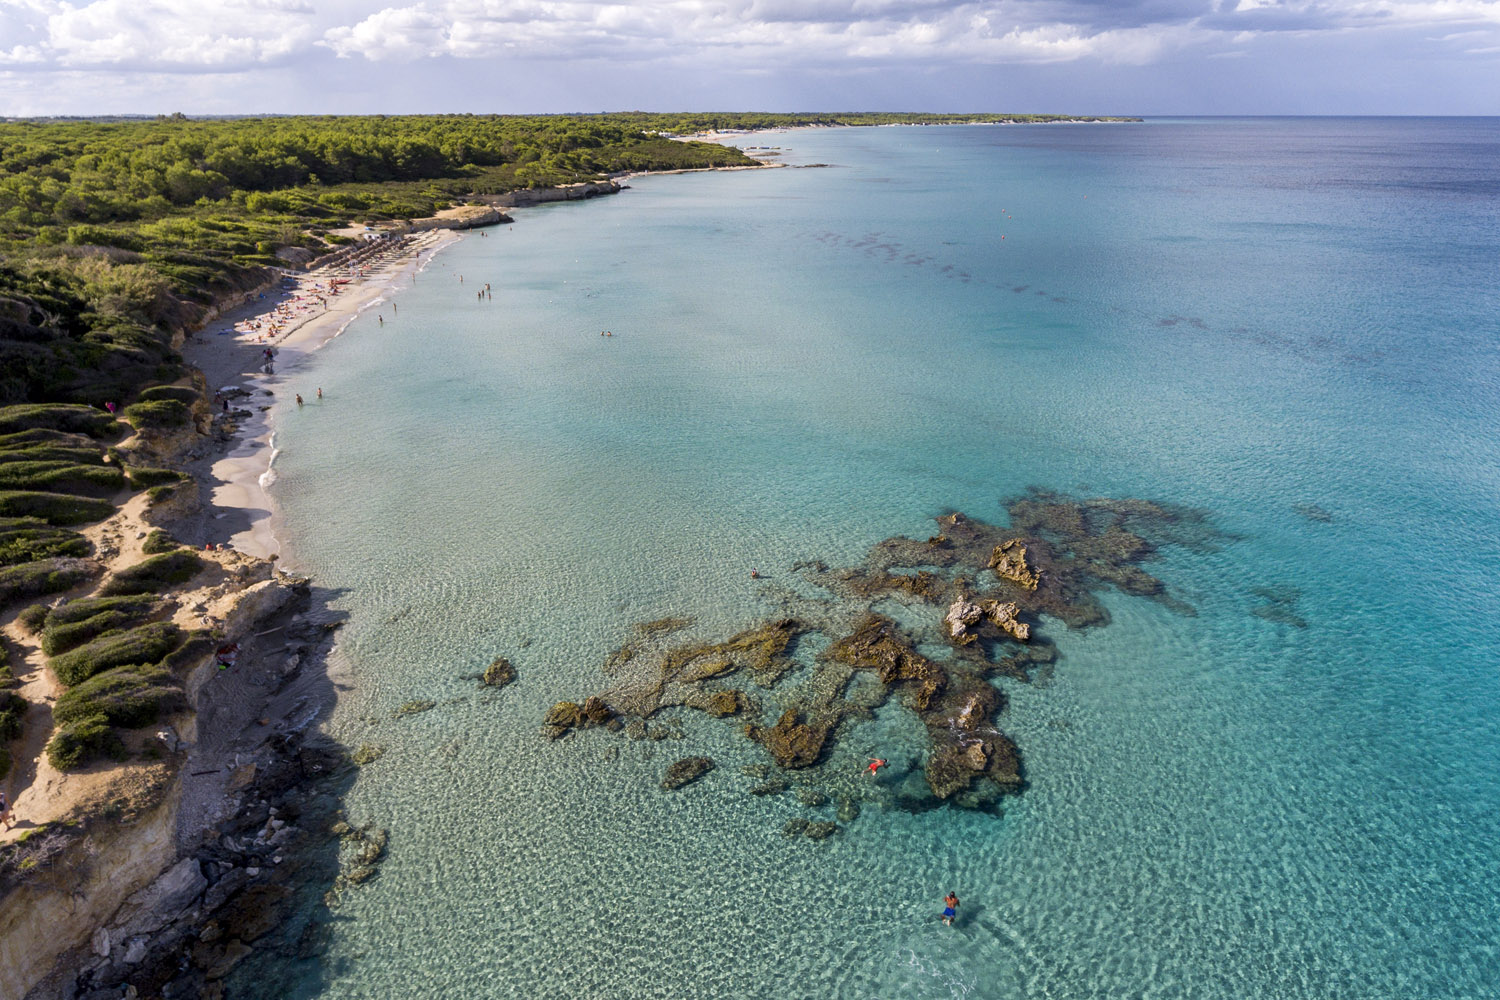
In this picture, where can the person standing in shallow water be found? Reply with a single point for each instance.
(950, 908)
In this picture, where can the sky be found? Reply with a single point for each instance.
(1137, 57)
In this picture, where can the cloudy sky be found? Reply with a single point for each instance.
(1079, 56)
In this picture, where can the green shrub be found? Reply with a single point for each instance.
(158, 542)
(59, 637)
(88, 607)
(143, 644)
(52, 453)
(54, 508)
(45, 576)
(61, 477)
(141, 479)
(12, 715)
(44, 436)
(157, 414)
(31, 618)
(129, 696)
(83, 740)
(199, 644)
(157, 494)
(154, 575)
(186, 395)
(24, 545)
(57, 417)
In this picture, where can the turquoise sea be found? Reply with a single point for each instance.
(1290, 324)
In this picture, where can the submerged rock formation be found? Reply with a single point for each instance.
(983, 591)
(686, 771)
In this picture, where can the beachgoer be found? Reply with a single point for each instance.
(5, 811)
(950, 908)
(299, 399)
(382, 320)
(876, 763)
(755, 574)
(320, 392)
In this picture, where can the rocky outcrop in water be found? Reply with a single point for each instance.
(1047, 565)
(686, 771)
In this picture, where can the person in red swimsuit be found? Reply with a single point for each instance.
(876, 763)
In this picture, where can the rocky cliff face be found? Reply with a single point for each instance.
(567, 192)
(65, 909)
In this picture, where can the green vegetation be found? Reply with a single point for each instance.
(63, 636)
(12, 714)
(45, 576)
(27, 539)
(32, 617)
(87, 607)
(154, 575)
(158, 542)
(130, 696)
(46, 416)
(54, 508)
(144, 478)
(157, 414)
(144, 644)
(183, 394)
(83, 740)
(157, 494)
(63, 477)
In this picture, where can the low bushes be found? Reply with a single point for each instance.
(27, 539)
(32, 617)
(83, 740)
(54, 508)
(130, 696)
(52, 453)
(88, 607)
(143, 644)
(154, 575)
(61, 477)
(58, 417)
(158, 542)
(44, 576)
(157, 414)
(181, 393)
(62, 636)
(38, 436)
(12, 714)
(141, 479)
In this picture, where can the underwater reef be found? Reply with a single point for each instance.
(976, 598)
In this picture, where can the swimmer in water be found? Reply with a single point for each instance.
(876, 763)
(950, 908)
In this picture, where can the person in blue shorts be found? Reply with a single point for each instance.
(950, 908)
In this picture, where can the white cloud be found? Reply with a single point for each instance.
(156, 34)
(235, 35)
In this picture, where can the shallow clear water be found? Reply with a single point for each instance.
(1243, 316)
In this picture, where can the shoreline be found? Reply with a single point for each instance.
(238, 481)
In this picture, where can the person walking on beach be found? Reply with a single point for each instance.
(5, 812)
(299, 399)
(381, 318)
(950, 908)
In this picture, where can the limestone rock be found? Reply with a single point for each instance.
(820, 831)
(792, 743)
(686, 771)
(1008, 560)
(499, 673)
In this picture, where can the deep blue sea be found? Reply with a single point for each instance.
(1290, 324)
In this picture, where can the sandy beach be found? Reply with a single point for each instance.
(293, 321)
